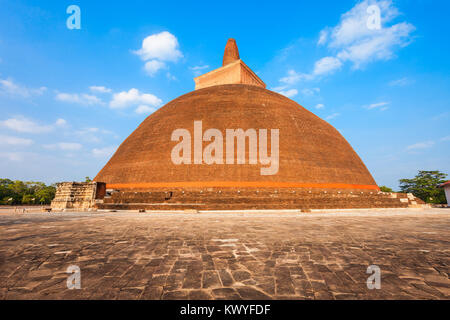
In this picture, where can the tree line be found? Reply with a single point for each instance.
(30, 192)
(425, 186)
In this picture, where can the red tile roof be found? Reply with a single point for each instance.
(445, 184)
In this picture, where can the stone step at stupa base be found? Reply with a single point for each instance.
(200, 206)
(232, 194)
(249, 199)
(268, 201)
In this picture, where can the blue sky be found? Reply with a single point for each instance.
(69, 97)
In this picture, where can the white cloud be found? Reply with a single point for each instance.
(162, 46)
(8, 86)
(379, 105)
(21, 124)
(447, 138)
(144, 109)
(83, 99)
(323, 36)
(420, 145)
(61, 122)
(441, 116)
(133, 97)
(171, 76)
(64, 146)
(319, 106)
(326, 65)
(105, 152)
(332, 116)
(14, 141)
(353, 41)
(93, 135)
(153, 66)
(197, 70)
(289, 93)
(380, 47)
(322, 67)
(93, 130)
(293, 77)
(100, 89)
(401, 82)
(310, 92)
(353, 24)
(12, 156)
(359, 44)
(157, 49)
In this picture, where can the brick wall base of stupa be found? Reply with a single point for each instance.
(253, 199)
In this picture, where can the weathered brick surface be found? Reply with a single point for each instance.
(226, 255)
(310, 149)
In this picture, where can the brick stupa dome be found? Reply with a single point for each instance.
(313, 155)
(311, 152)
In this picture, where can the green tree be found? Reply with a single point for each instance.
(28, 199)
(88, 179)
(19, 187)
(5, 191)
(425, 186)
(19, 192)
(46, 195)
(5, 182)
(386, 189)
(11, 192)
(33, 187)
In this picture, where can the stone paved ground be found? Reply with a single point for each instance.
(226, 255)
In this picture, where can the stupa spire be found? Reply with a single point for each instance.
(233, 71)
(231, 52)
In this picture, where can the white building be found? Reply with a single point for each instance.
(446, 187)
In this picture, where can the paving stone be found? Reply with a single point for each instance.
(283, 280)
(226, 278)
(226, 293)
(175, 295)
(193, 277)
(210, 279)
(226, 256)
(199, 295)
(241, 275)
(249, 293)
(152, 293)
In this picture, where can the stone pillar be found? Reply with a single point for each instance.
(447, 194)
